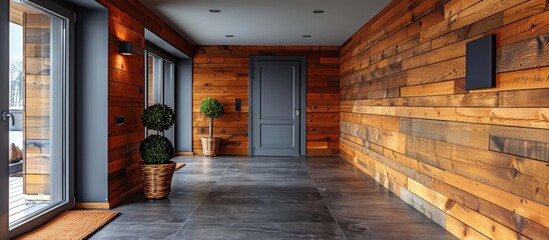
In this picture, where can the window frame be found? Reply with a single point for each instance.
(67, 117)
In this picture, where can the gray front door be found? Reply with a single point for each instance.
(276, 108)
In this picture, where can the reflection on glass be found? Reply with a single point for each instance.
(154, 80)
(168, 96)
(35, 90)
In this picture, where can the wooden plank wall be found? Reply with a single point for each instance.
(476, 162)
(222, 72)
(127, 22)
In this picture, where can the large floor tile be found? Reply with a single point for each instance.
(366, 186)
(137, 231)
(287, 213)
(271, 198)
(261, 186)
(392, 231)
(264, 198)
(276, 231)
(183, 185)
(155, 213)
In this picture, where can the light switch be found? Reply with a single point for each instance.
(238, 105)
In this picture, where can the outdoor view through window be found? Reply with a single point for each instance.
(36, 80)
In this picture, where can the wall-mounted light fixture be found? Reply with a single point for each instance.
(126, 48)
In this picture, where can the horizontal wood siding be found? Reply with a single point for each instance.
(127, 22)
(222, 72)
(476, 162)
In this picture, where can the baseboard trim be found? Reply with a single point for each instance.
(184, 153)
(87, 205)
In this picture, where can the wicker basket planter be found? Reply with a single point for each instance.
(157, 179)
(210, 146)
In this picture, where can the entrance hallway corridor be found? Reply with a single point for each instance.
(271, 198)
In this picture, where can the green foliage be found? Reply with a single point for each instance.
(156, 149)
(158, 117)
(211, 107)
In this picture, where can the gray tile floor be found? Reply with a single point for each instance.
(271, 198)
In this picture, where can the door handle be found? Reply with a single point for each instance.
(5, 117)
(296, 111)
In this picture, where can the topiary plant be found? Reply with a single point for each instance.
(157, 148)
(158, 117)
(212, 108)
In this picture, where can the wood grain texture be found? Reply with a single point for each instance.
(136, 17)
(519, 147)
(222, 72)
(525, 98)
(126, 79)
(124, 139)
(479, 157)
(507, 218)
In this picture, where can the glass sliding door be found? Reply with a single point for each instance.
(160, 83)
(155, 92)
(37, 114)
(169, 94)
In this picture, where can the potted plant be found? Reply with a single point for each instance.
(156, 152)
(212, 108)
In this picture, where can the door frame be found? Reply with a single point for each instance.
(4, 126)
(68, 131)
(303, 98)
(151, 48)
